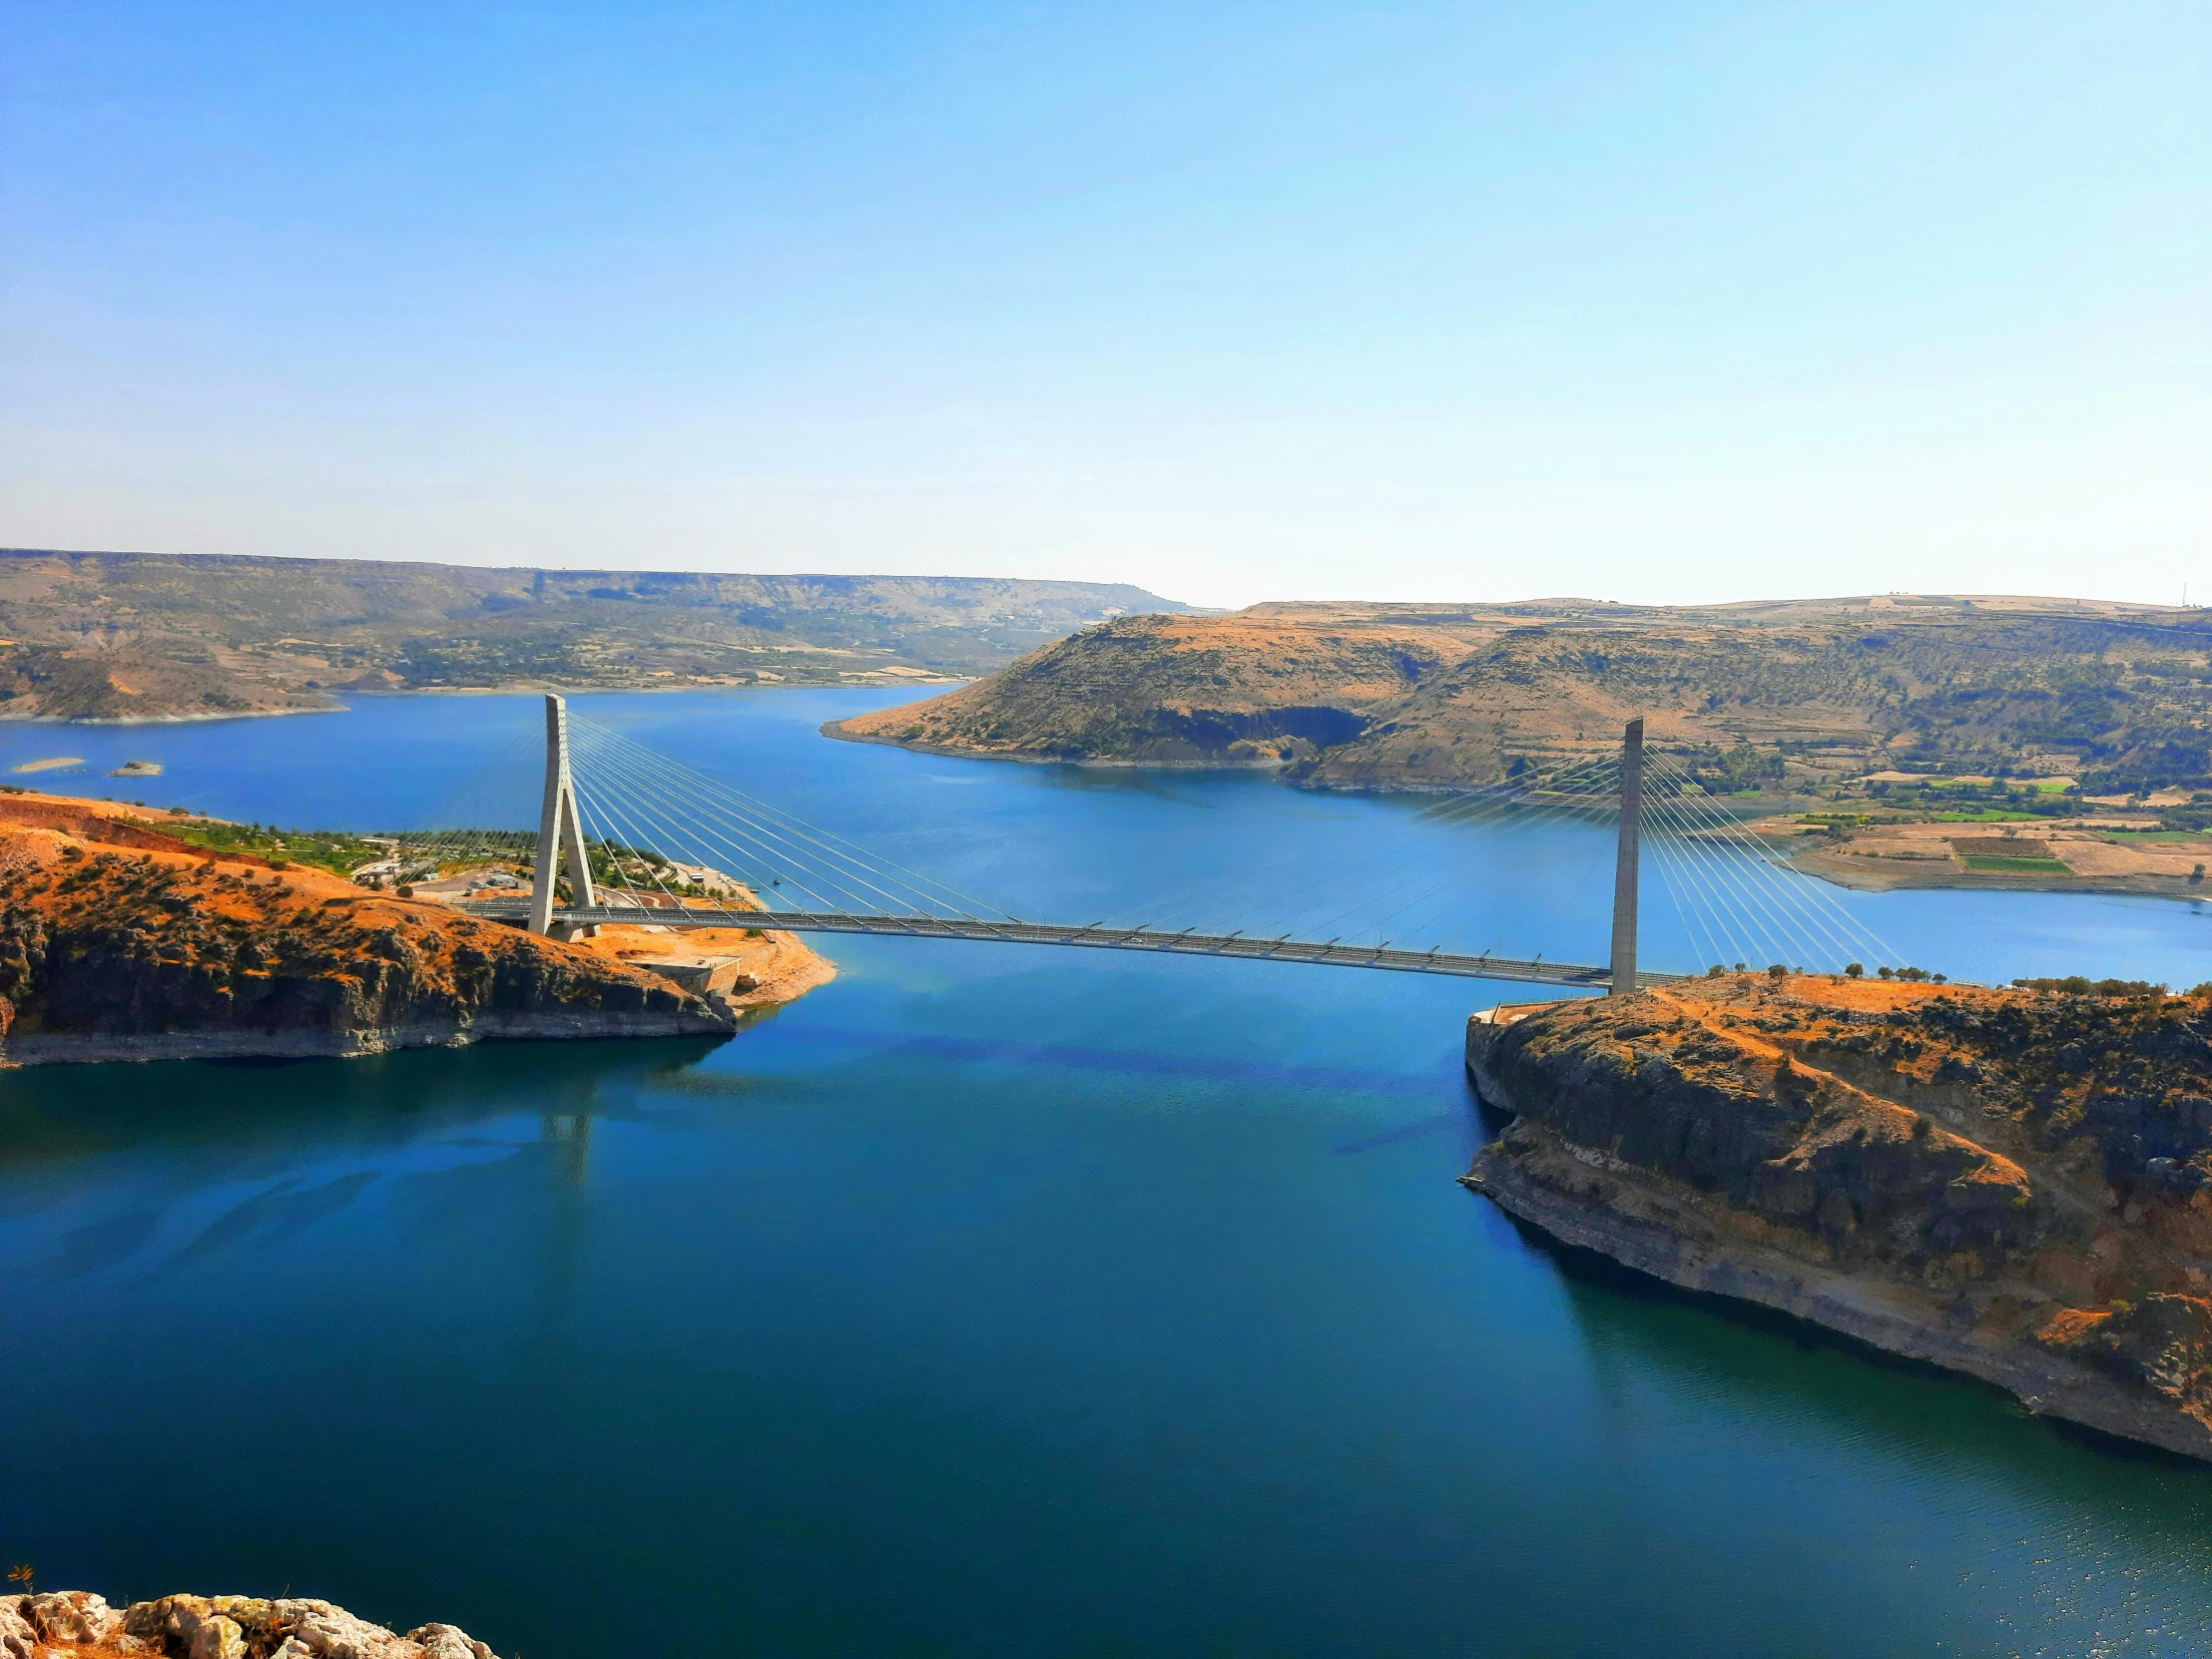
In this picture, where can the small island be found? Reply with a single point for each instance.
(2015, 1184)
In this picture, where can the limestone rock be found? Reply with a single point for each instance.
(18, 1637)
(443, 1641)
(330, 1632)
(245, 1627)
(2015, 1184)
(75, 1616)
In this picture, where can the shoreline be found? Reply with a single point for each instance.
(183, 954)
(166, 719)
(836, 728)
(1851, 1191)
(534, 687)
(1663, 1242)
(1834, 871)
(70, 1048)
(1851, 876)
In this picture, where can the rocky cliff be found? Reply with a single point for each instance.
(73, 1624)
(111, 952)
(2013, 1184)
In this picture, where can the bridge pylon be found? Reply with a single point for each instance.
(1626, 860)
(560, 828)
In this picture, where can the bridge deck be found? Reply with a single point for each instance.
(1330, 955)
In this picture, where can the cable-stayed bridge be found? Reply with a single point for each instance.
(628, 835)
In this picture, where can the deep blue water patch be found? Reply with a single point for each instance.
(990, 1300)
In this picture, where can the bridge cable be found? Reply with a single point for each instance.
(1512, 825)
(1730, 881)
(1818, 929)
(783, 865)
(766, 823)
(786, 863)
(1705, 919)
(1417, 839)
(1512, 818)
(1807, 894)
(1711, 881)
(616, 865)
(1734, 880)
(773, 822)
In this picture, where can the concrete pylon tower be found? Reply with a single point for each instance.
(558, 825)
(1625, 860)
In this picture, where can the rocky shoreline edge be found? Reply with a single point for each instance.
(2013, 1186)
(121, 943)
(1668, 1245)
(107, 1048)
(839, 730)
(76, 1624)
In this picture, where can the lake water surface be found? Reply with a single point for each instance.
(992, 1299)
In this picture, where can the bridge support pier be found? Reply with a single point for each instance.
(559, 825)
(1626, 860)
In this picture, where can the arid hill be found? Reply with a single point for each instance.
(1801, 695)
(147, 635)
(120, 941)
(2015, 1184)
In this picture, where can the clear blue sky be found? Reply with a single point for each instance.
(1643, 302)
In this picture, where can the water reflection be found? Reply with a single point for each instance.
(569, 1134)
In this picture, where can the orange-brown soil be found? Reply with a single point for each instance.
(2016, 1184)
(750, 967)
(118, 941)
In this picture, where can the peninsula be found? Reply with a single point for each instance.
(1793, 699)
(2013, 1184)
(121, 939)
(1860, 720)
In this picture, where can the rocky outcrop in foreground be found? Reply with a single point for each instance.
(136, 954)
(2017, 1185)
(75, 1623)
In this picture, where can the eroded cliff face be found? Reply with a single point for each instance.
(111, 952)
(2011, 1184)
(74, 1624)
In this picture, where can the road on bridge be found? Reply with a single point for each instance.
(1330, 954)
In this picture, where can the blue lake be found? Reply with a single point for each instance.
(991, 1300)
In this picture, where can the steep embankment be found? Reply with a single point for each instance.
(118, 942)
(74, 1624)
(2010, 1184)
(1430, 697)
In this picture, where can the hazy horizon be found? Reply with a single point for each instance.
(1713, 302)
(1344, 598)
